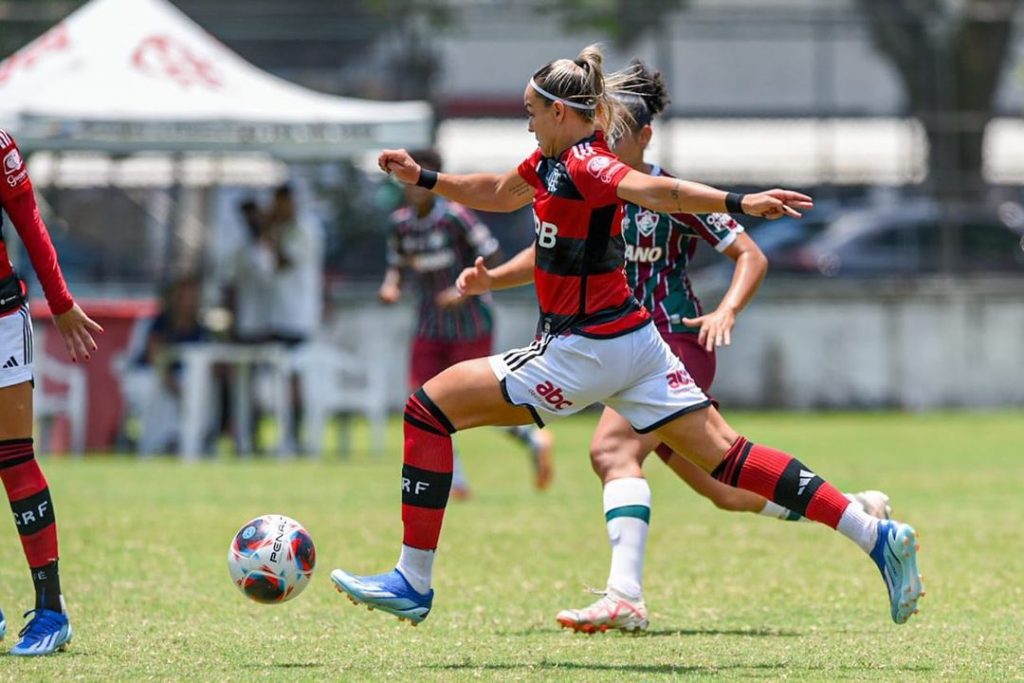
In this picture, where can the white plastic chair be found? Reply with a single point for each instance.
(337, 381)
(143, 397)
(48, 404)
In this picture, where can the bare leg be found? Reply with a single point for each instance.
(724, 497)
(470, 396)
(616, 450)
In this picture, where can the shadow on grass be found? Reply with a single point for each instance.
(747, 632)
(283, 665)
(676, 632)
(630, 668)
(672, 668)
(63, 654)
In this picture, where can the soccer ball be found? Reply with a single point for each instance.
(271, 559)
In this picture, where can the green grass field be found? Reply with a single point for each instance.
(144, 547)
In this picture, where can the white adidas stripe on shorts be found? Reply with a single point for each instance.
(636, 374)
(16, 347)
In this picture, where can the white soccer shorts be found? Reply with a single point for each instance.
(15, 348)
(636, 374)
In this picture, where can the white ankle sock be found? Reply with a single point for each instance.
(776, 511)
(627, 510)
(417, 566)
(859, 527)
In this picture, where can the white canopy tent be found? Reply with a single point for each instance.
(125, 76)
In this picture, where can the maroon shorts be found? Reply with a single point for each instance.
(431, 356)
(699, 362)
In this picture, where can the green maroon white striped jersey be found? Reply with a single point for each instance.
(659, 247)
(434, 249)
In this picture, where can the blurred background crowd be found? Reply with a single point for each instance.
(261, 241)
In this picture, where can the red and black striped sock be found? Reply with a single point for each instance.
(783, 479)
(30, 501)
(426, 471)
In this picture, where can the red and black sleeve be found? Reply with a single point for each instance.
(19, 202)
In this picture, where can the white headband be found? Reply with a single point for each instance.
(554, 98)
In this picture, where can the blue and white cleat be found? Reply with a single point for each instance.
(3, 625)
(895, 553)
(389, 593)
(47, 632)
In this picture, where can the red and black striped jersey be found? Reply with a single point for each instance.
(17, 199)
(579, 272)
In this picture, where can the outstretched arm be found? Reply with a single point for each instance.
(502, 193)
(479, 279)
(670, 195)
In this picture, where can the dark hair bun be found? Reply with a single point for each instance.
(648, 85)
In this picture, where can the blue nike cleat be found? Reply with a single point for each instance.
(895, 553)
(389, 593)
(3, 625)
(47, 632)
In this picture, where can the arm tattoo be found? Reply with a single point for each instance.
(675, 196)
(519, 189)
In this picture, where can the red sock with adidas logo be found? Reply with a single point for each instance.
(783, 479)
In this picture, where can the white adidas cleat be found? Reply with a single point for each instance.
(613, 611)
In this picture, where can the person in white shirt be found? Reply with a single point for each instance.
(296, 290)
(253, 270)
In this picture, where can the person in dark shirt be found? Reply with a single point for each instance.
(432, 240)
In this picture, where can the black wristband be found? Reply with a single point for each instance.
(734, 202)
(427, 178)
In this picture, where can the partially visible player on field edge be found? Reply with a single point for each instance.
(27, 490)
(658, 249)
(433, 239)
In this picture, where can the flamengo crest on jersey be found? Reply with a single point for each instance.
(12, 166)
(578, 274)
(658, 249)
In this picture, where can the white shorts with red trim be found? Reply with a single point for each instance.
(636, 374)
(15, 348)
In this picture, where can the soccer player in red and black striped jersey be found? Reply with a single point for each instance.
(658, 248)
(596, 342)
(433, 239)
(27, 490)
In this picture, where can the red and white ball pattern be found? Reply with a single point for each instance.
(271, 559)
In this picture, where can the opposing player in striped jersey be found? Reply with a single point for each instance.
(596, 342)
(658, 248)
(48, 629)
(433, 239)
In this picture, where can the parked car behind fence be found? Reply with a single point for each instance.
(906, 239)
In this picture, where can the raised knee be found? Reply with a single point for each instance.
(600, 459)
(422, 412)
